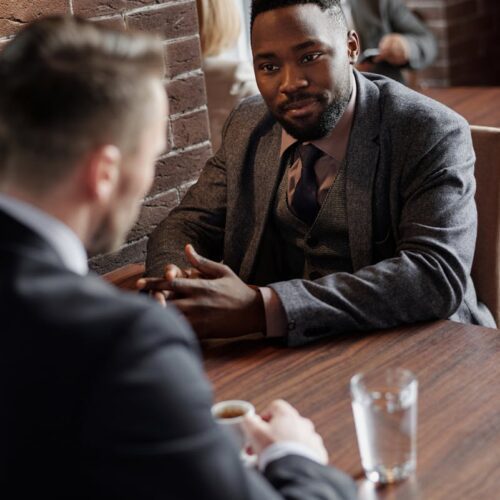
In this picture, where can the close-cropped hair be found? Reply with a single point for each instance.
(220, 25)
(67, 86)
(332, 7)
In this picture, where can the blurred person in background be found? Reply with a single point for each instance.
(228, 78)
(402, 39)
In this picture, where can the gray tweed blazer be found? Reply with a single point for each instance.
(410, 210)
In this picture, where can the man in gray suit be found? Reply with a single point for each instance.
(345, 200)
(389, 26)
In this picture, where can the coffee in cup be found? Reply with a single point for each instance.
(229, 414)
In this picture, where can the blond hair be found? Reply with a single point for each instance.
(220, 25)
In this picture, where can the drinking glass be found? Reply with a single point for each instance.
(384, 403)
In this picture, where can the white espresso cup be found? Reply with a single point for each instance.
(230, 414)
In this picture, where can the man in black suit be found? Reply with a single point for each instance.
(102, 393)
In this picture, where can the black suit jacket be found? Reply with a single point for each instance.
(103, 396)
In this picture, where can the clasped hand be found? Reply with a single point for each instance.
(211, 296)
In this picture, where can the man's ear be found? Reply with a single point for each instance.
(353, 47)
(102, 172)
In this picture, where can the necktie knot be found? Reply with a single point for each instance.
(308, 155)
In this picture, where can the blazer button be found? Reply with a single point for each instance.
(314, 275)
(291, 325)
(312, 241)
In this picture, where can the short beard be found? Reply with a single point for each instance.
(106, 238)
(327, 121)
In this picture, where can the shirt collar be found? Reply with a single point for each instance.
(59, 236)
(335, 143)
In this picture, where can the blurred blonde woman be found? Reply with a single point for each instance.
(227, 80)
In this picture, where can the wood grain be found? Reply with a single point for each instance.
(125, 277)
(458, 368)
(478, 105)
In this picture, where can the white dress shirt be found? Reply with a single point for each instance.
(58, 235)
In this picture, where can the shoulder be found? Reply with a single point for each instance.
(136, 312)
(404, 109)
(99, 315)
(250, 111)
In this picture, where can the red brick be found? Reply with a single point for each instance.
(182, 56)
(190, 129)
(14, 14)
(115, 22)
(171, 21)
(184, 189)
(175, 170)
(93, 8)
(152, 213)
(186, 93)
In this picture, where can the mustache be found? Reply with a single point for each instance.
(293, 99)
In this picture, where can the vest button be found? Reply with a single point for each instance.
(291, 325)
(312, 241)
(314, 275)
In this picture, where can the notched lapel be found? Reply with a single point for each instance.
(362, 159)
(267, 174)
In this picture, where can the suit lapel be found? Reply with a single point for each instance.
(362, 159)
(267, 171)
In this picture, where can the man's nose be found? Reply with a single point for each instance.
(293, 80)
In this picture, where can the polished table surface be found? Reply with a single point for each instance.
(479, 105)
(458, 369)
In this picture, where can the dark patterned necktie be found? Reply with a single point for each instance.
(305, 201)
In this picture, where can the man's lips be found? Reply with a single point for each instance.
(300, 107)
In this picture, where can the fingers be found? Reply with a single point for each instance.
(280, 407)
(257, 433)
(160, 298)
(207, 267)
(152, 284)
(172, 272)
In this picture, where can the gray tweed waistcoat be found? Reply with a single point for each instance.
(315, 251)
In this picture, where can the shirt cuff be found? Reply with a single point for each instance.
(276, 321)
(283, 449)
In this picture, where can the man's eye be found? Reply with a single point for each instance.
(269, 68)
(310, 57)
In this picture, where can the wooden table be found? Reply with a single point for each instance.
(479, 105)
(458, 368)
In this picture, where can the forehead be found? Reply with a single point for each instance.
(293, 25)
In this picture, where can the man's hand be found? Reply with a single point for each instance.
(214, 300)
(158, 287)
(394, 49)
(282, 422)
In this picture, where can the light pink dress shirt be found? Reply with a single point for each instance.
(334, 147)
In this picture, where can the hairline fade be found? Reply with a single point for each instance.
(332, 7)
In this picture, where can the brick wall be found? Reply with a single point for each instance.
(188, 139)
(469, 53)
(469, 41)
